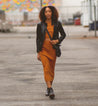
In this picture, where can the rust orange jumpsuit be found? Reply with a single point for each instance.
(48, 55)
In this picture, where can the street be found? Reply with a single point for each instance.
(21, 74)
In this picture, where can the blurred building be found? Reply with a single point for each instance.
(15, 17)
(2, 15)
(68, 8)
(88, 11)
(25, 16)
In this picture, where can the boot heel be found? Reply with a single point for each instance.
(51, 94)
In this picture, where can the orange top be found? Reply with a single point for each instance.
(47, 48)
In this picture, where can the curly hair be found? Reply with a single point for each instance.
(54, 17)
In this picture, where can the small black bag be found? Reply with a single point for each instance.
(58, 50)
(56, 46)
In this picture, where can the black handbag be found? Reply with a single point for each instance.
(56, 46)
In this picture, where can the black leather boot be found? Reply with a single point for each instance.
(51, 93)
(47, 92)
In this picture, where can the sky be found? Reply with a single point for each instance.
(71, 2)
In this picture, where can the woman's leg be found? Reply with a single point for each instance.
(52, 65)
(48, 67)
(49, 85)
(53, 68)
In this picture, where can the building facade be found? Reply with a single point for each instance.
(69, 8)
(88, 14)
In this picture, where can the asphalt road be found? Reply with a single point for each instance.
(21, 74)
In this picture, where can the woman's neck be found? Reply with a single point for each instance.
(48, 20)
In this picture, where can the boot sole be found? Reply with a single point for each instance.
(52, 96)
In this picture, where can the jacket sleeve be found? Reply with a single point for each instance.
(37, 38)
(62, 32)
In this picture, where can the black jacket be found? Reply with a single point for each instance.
(40, 32)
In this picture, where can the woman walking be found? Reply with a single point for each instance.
(45, 51)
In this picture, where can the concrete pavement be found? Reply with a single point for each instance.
(21, 74)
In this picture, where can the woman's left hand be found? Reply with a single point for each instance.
(54, 41)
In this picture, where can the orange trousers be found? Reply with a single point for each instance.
(48, 68)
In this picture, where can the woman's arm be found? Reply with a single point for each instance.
(38, 37)
(62, 32)
(37, 41)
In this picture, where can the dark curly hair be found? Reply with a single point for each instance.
(54, 17)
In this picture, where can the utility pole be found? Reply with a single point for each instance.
(95, 20)
(41, 3)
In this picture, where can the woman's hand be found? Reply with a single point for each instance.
(54, 41)
(38, 57)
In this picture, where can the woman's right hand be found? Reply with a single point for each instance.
(38, 57)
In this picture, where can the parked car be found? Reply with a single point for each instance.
(92, 27)
(68, 22)
(5, 26)
(77, 21)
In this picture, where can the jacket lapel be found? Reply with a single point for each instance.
(54, 29)
(44, 26)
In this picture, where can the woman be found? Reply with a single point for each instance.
(45, 51)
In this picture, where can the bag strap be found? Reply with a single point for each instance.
(48, 34)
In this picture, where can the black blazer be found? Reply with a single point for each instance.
(40, 32)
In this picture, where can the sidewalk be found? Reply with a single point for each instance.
(71, 32)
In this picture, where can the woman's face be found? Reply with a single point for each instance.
(48, 13)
